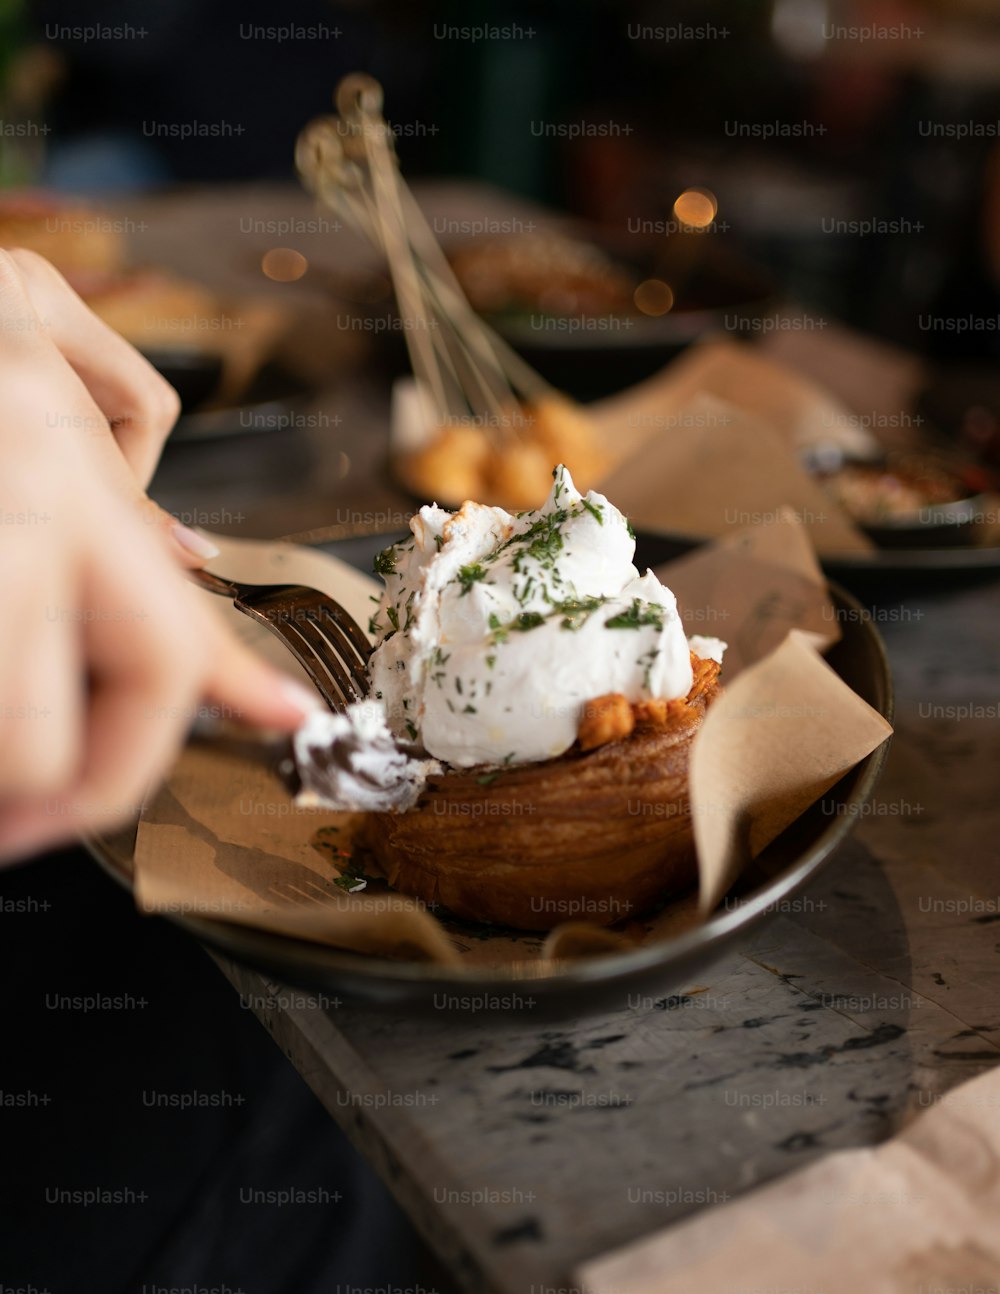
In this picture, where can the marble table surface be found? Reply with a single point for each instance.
(523, 1147)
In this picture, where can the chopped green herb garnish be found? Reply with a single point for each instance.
(577, 611)
(639, 613)
(469, 575)
(648, 661)
(541, 541)
(385, 561)
(595, 510)
(487, 779)
(526, 620)
(353, 877)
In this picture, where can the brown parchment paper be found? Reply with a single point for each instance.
(779, 737)
(222, 837)
(878, 382)
(751, 588)
(721, 469)
(229, 844)
(918, 1213)
(799, 411)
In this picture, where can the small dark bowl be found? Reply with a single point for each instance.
(590, 358)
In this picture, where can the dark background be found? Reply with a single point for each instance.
(866, 80)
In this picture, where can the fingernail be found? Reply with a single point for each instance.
(304, 698)
(194, 543)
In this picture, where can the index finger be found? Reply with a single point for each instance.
(140, 406)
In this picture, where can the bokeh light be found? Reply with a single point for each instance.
(653, 297)
(696, 207)
(284, 264)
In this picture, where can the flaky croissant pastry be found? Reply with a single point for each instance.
(599, 835)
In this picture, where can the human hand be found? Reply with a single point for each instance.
(134, 407)
(107, 653)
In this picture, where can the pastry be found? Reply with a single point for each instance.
(599, 835)
(550, 697)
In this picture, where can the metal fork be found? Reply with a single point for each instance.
(327, 642)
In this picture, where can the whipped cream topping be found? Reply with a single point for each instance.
(495, 629)
(351, 760)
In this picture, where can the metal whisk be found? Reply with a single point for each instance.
(349, 162)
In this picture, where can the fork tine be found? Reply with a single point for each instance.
(352, 687)
(317, 619)
(334, 612)
(317, 665)
(343, 638)
(327, 628)
(326, 641)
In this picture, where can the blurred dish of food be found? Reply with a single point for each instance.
(907, 498)
(548, 273)
(628, 303)
(505, 460)
(211, 348)
(174, 321)
(76, 237)
(154, 309)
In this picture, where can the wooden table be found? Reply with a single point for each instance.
(523, 1146)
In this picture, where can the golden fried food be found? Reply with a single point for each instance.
(605, 718)
(451, 468)
(518, 476)
(508, 464)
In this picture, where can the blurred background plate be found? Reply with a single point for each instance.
(274, 399)
(589, 354)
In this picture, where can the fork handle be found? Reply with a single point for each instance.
(214, 583)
